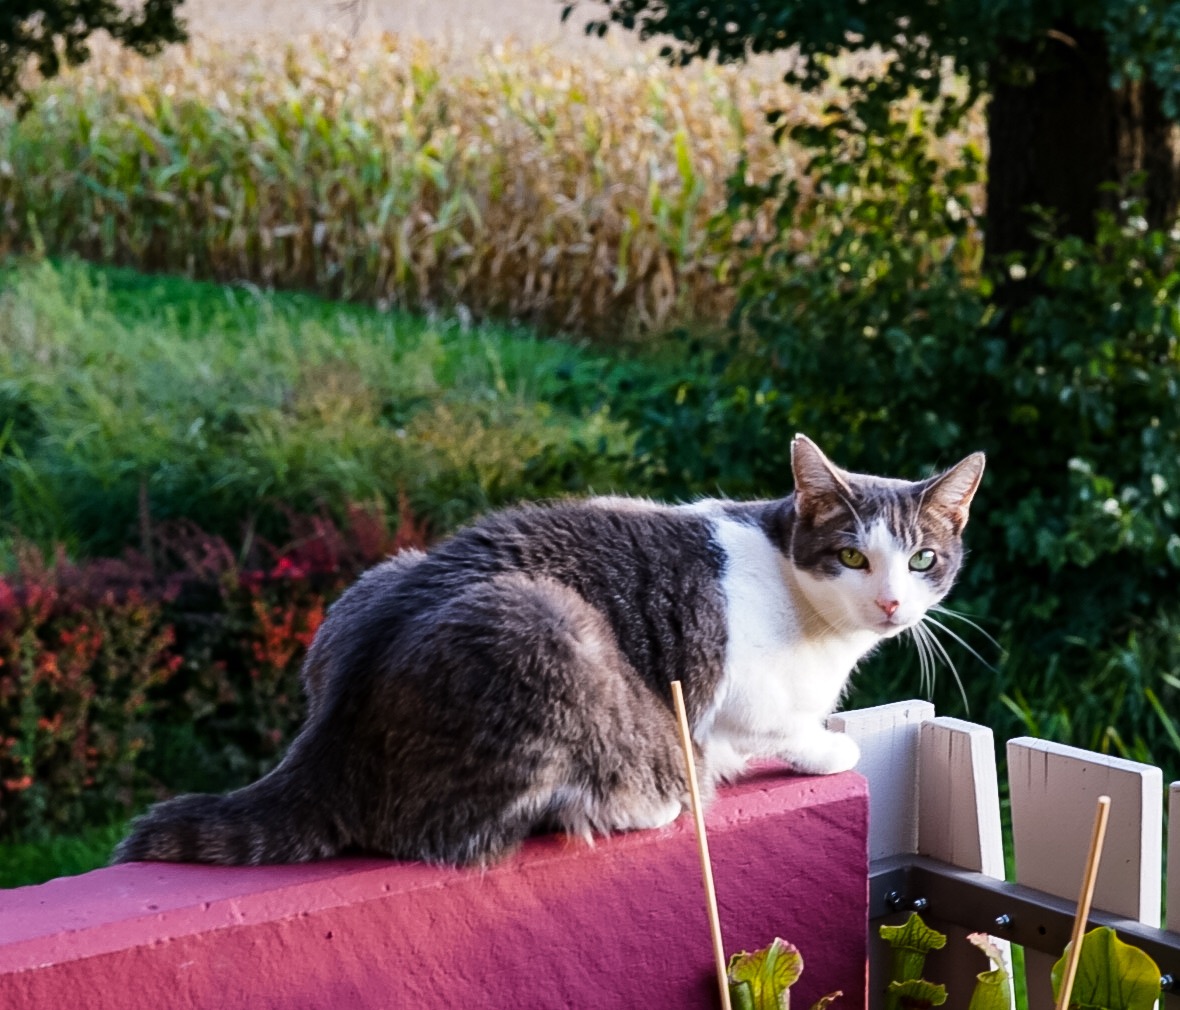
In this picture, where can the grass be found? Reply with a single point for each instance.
(28, 862)
(224, 404)
(122, 393)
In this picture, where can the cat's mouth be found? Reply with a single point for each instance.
(888, 626)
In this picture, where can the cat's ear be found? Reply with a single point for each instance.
(951, 491)
(820, 487)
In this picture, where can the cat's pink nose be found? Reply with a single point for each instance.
(889, 606)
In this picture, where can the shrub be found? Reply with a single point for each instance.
(884, 344)
(81, 651)
(122, 678)
(243, 627)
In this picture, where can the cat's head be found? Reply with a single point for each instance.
(875, 553)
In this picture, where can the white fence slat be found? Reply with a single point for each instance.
(959, 796)
(1173, 876)
(959, 823)
(888, 739)
(1054, 791)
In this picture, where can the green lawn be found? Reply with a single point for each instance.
(30, 862)
(226, 405)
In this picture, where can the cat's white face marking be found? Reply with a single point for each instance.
(885, 595)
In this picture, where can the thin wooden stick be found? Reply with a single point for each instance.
(1089, 879)
(702, 844)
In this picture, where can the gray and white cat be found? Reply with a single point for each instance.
(516, 677)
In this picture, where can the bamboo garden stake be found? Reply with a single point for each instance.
(1089, 879)
(702, 844)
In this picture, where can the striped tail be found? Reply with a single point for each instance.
(255, 825)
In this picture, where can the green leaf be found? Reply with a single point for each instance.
(916, 994)
(826, 1001)
(1111, 975)
(741, 995)
(911, 942)
(759, 981)
(993, 991)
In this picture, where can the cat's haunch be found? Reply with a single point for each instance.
(516, 677)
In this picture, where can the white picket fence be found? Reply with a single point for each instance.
(936, 842)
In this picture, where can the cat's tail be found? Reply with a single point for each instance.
(262, 823)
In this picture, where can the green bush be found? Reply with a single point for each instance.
(81, 651)
(869, 325)
(120, 679)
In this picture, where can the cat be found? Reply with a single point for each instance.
(515, 678)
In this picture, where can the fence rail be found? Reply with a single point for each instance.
(936, 843)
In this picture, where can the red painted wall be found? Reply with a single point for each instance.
(560, 924)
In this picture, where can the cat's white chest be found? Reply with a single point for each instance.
(780, 672)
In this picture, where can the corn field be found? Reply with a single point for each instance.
(518, 184)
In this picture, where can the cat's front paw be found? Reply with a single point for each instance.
(826, 754)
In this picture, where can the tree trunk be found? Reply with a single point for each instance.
(1149, 147)
(1052, 136)
(1057, 132)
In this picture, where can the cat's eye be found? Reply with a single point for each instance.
(850, 557)
(923, 561)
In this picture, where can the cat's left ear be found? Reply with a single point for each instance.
(820, 488)
(951, 491)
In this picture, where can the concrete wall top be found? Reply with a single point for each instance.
(557, 924)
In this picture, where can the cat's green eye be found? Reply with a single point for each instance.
(923, 561)
(850, 557)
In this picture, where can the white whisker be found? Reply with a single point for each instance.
(933, 639)
(962, 641)
(860, 523)
(926, 659)
(921, 648)
(938, 608)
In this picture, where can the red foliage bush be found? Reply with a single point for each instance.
(174, 668)
(243, 628)
(81, 649)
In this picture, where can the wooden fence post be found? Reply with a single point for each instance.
(1172, 1002)
(959, 823)
(888, 738)
(1054, 791)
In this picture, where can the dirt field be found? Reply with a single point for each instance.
(464, 23)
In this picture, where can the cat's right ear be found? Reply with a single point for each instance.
(951, 492)
(820, 488)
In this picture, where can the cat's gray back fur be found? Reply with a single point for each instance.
(516, 676)
(458, 699)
